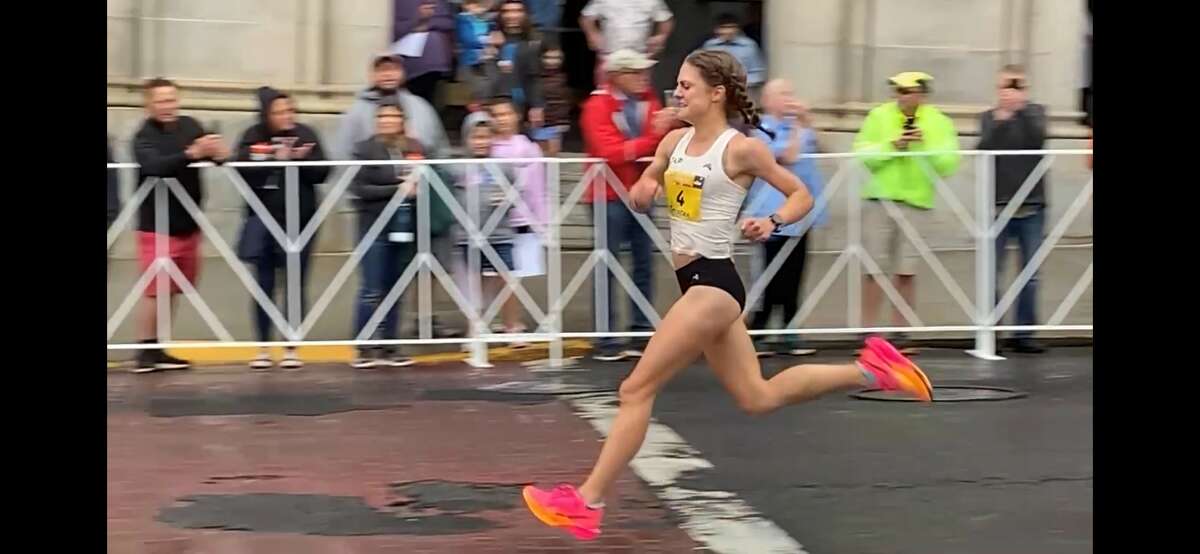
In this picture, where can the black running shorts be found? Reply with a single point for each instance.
(719, 273)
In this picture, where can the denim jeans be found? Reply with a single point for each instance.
(266, 269)
(1027, 231)
(624, 229)
(382, 266)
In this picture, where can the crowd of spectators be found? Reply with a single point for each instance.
(507, 53)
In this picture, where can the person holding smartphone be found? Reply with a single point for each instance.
(787, 129)
(1017, 124)
(394, 245)
(277, 137)
(907, 123)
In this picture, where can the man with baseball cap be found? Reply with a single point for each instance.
(621, 122)
(421, 120)
(905, 124)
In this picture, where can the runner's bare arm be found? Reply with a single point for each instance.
(644, 191)
(755, 159)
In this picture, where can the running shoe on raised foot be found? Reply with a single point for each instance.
(894, 371)
(563, 507)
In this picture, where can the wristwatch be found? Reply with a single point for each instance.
(775, 220)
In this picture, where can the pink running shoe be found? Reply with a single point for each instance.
(894, 371)
(563, 507)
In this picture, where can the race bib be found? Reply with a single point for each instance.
(683, 194)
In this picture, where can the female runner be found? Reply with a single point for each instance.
(706, 171)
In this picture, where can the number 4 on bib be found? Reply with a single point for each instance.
(684, 190)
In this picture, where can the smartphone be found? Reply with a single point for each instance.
(214, 128)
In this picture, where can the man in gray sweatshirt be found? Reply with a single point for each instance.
(1017, 124)
(421, 120)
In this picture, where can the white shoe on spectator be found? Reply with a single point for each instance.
(262, 361)
(364, 360)
(291, 360)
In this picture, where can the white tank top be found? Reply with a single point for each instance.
(703, 200)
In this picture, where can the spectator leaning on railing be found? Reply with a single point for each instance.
(277, 137)
(421, 122)
(905, 124)
(1017, 124)
(164, 147)
(392, 250)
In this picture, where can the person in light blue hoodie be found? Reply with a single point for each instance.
(730, 38)
(788, 120)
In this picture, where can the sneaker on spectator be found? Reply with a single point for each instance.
(393, 358)
(157, 360)
(366, 359)
(794, 346)
(171, 363)
(609, 353)
(636, 348)
(146, 361)
(517, 344)
(291, 360)
(763, 348)
(262, 361)
(1027, 346)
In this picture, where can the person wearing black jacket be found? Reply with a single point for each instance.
(1017, 124)
(392, 249)
(164, 147)
(277, 137)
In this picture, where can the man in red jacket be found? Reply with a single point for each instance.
(622, 122)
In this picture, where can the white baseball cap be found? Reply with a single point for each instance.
(627, 60)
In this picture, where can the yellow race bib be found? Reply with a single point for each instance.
(683, 194)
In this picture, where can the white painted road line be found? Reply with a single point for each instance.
(718, 520)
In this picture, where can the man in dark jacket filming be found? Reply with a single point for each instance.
(1017, 124)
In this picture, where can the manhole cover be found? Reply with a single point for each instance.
(545, 387)
(950, 393)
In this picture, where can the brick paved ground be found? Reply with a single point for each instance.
(154, 461)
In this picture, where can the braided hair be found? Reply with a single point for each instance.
(719, 68)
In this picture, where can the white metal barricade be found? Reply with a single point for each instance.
(981, 314)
